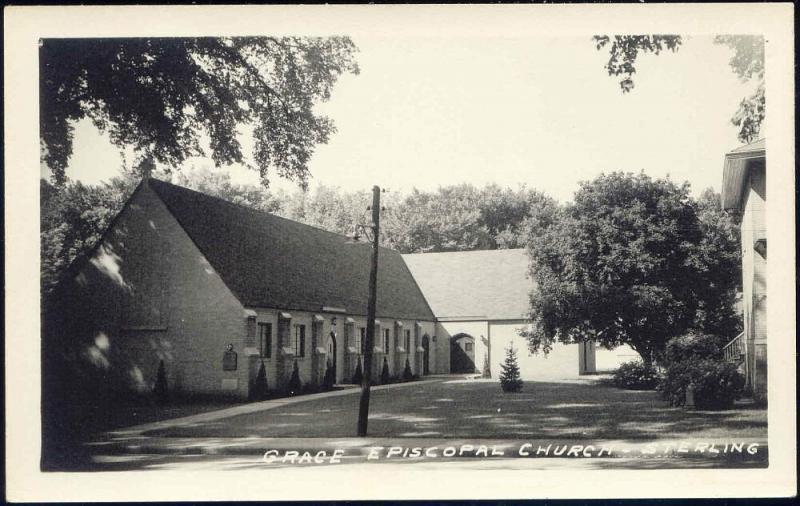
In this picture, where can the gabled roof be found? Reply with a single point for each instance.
(272, 262)
(474, 285)
(734, 172)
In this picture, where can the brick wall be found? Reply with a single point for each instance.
(147, 295)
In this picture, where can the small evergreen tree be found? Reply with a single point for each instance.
(385, 372)
(487, 370)
(329, 379)
(260, 387)
(510, 379)
(407, 374)
(358, 376)
(294, 385)
(161, 389)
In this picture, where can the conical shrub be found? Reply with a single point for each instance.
(358, 376)
(510, 380)
(161, 389)
(385, 372)
(260, 387)
(295, 384)
(330, 377)
(407, 374)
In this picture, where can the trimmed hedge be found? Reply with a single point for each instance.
(636, 375)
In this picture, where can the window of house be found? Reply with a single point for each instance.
(265, 339)
(362, 338)
(467, 346)
(300, 341)
(408, 340)
(386, 340)
(251, 326)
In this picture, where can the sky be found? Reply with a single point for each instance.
(543, 112)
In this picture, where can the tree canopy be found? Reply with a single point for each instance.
(463, 217)
(632, 261)
(160, 96)
(451, 218)
(747, 63)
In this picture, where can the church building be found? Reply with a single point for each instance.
(212, 289)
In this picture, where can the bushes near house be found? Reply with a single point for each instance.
(329, 379)
(260, 388)
(385, 378)
(696, 359)
(693, 346)
(635, 375)
(407, 374)
(510, 379)
(716, 383)
(358, 376)
(161, 389)
(294, 387)
(487, 371)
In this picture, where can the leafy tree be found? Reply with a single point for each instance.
(631, 262)
(625, 49)
(510, 380)
(219, 184)
(445, 220)
(717, 260)
(462, 218)
(73, 218)
(159, 95)
(747, 62)
(328, 207)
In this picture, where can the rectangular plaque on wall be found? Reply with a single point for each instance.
(229, 361)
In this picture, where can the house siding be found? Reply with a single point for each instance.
(754, 281)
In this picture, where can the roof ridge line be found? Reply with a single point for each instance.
(251, 209)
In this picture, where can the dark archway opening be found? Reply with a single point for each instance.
(462, 354)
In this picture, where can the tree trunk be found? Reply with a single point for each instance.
(644, 351)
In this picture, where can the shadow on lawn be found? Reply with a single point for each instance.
(478, 409)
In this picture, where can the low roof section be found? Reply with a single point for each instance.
(474, 285)
(273, 262)
(735, 171)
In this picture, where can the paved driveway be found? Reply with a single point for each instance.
(478, 409)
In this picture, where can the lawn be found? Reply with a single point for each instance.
(478, 409)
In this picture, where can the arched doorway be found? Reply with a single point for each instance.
(332, 353)
(426, 354)
(462, 354)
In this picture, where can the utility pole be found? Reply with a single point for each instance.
(363, 406)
